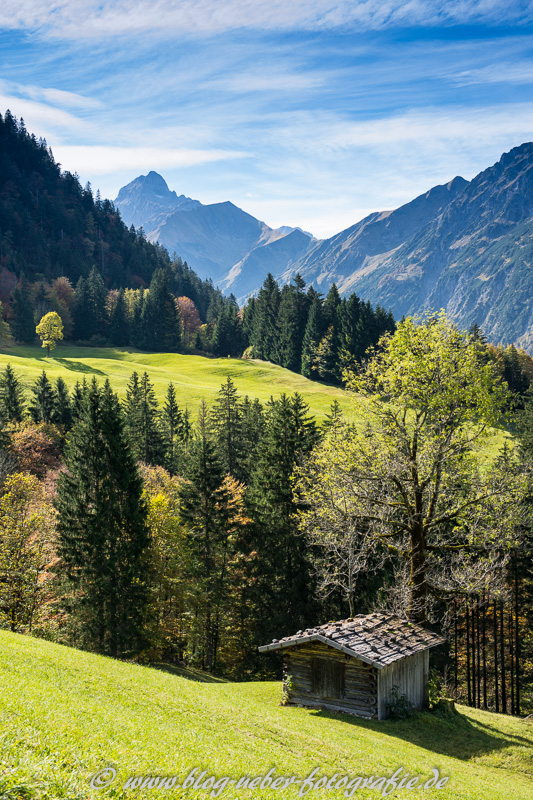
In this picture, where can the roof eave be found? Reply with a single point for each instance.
(316, 637)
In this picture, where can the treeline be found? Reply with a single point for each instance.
(306, 333)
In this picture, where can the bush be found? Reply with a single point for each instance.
(400, 706)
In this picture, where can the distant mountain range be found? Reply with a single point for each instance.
(216, 240)
(466, 246)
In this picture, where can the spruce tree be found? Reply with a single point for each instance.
(103, 536)
(227, 339)
(62, 414)
(118, 324)
(78, 396)
(160, 317)
(282, 574)
(313, 333)
(292, 319)
(172, 429)
(264, 336)
(204, 504)
(42, 404)
(226, 420)
(142, 420)
(11, 397)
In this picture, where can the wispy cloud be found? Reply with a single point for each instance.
(79, 19)
(101, 159)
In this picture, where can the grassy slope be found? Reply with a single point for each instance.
(195, 377)
(65, 714)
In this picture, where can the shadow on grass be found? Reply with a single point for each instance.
(454, 734)
(190, 674)
(78, 366)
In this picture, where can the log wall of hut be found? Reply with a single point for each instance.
(325, 677)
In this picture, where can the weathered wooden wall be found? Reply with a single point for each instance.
(361, 680)
(410, 675)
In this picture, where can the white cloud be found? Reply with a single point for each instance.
(103, 160)
(518, 73)
(78, 19)
(41, 118)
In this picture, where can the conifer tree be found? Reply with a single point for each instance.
(314, 330)
(292, 319)
(265, 325)
(78, 395)
(172, 429)
(160, 317)
(226, 420)
(142, 419)
(137, 327)
(42, 404)
(282, 571)
(103, 537)
(118, 324)
(204, 502)
(62, 414)
(11, 396)
(227, 337)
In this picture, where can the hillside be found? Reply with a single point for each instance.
(195, 377)
(67, 714)
(51, 226)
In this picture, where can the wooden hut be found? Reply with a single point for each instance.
(352, 665)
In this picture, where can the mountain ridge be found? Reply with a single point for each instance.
(465, 246)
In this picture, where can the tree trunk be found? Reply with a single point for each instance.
(417, 578)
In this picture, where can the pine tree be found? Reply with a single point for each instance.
(142, 420)
(137, 327)
(172, 429)
(160, 317)
(78, 396)
(292, 319)
(281, 570)
(313, 333)
(62, 414)
(42, 404)
(227, 337)
(264, 335)
(204, 502)
(11, 397)
(103, 537)
(118, 324)
(226, 420)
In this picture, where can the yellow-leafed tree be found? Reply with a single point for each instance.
(50, 330)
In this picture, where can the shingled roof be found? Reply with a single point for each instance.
(376, 639)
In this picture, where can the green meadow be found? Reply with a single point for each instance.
(195, 377)
(67, 714)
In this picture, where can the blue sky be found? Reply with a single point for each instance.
(310, 113)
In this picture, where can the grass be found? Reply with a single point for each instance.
(65, 714)
(195, 377)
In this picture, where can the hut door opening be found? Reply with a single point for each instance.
(327, 678)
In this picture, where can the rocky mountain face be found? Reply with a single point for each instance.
(466, 247)
(148, 199)
(214, 239)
